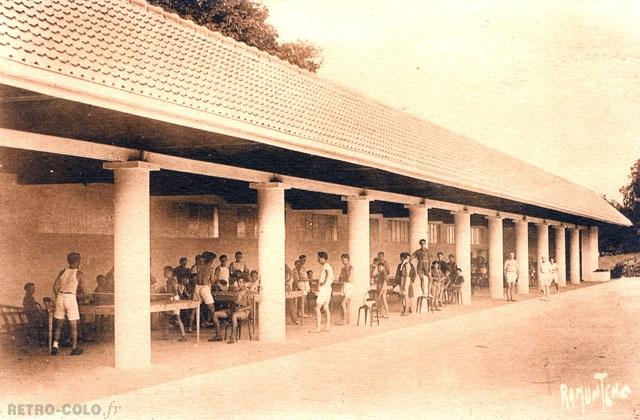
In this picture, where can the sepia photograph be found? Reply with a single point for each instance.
(334, 209)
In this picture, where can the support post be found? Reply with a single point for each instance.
(131, 263)
(418, 229)
(522, 255)
(594, 248)
(542, 247)
(574, 255)
(496, 255)
(359, 249)
(585, 241)
(560, 256)
(271, 260)
(462, 233)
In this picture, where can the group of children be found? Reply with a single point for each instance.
(198, 282)
(439, 282)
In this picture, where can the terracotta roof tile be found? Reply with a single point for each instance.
(133, 47)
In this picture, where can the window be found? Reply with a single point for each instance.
(246, 223)
(434, 233)
(451, 234)
(184, 220)
(475, 235)
(399, 231)
(374, 230)
(320, 227)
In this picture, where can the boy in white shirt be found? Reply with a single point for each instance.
(324, 292)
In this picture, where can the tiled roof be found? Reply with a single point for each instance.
(140, 54)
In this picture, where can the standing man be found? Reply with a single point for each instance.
(324, 291)
(347, 289)
(182, 272)
(554, 273)
(423, 262)
(382, 260)
(406, 275)
(511, 274)
(545, 276)
(204, 280)
(68, 283)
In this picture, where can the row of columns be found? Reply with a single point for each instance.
(587, 258)
(132, 256)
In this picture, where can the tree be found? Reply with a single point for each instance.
(244, 21)
(631, 195)
(625, 239)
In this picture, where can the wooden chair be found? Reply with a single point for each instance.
(420, 301)
(369, 305)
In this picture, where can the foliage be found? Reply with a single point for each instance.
(244, 21)
(618, 239)
(627, 268)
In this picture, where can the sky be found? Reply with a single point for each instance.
(555, 83)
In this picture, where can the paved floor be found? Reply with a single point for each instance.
(505, 361)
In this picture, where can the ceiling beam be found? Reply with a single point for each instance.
(103, 152)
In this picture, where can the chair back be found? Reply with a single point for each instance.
(370, 296)
(48, 303)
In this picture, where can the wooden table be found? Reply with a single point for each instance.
(295, 294)
(156, 306)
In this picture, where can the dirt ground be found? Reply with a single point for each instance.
(490, 360)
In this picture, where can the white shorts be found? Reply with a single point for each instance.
(203, 294)
(511, 276)
(303, 286)
(546, 279)
(347, 290)
(66, 304)
(324, 296)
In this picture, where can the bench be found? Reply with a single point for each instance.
(13, 319)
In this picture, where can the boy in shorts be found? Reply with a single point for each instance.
(68, 283)
(324, 292)
(347, 289)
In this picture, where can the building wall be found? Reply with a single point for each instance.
(41, 224)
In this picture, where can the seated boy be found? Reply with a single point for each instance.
(35, 314)
(239, 310)
(173, 289)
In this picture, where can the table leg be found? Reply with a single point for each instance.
(50, 330)
(302, 299)
(197, 324)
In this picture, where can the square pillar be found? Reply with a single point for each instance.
(131, 264)
(574, 255)
(542, 247)
(271, 260)
(560, 255)
(359, 249)
(496, 255)
(594, 248)
(462, 234)
(585, 241)
(522, 255)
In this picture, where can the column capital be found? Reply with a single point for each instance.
(495, 216)
(356, 198)
(461, 211)
(130, 164)
(268, 185)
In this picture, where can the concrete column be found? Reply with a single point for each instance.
(131, 263)
(522, 255)
(496, 255)
(359, 249)
(560, 256)
(574, 255)
(594, 248)
(542, 247)
(418, 225)
(462, 229)
(271, 260)
(585, 241)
